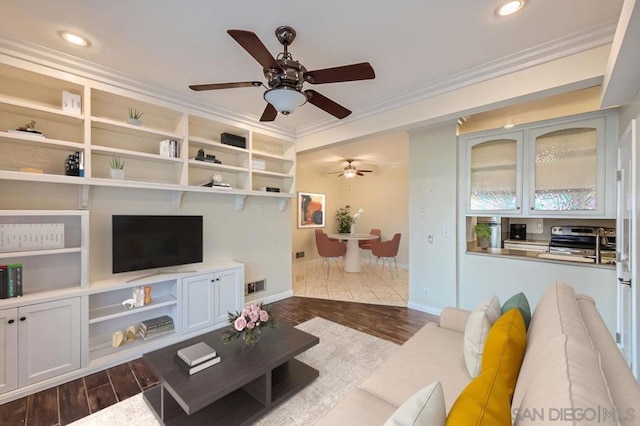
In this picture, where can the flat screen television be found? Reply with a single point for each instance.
(148, 242)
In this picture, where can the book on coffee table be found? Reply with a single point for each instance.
(196, 354)
(196, 368)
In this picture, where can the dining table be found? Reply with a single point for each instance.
(352, 257)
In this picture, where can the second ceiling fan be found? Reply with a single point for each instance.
(350, 171)
(285, 77)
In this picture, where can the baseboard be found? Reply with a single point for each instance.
(425, 308)
(274, 298)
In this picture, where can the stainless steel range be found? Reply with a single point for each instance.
(590, 242)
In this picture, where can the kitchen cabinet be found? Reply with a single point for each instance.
(207, 298)
(40, 341)
(566, 165)
(494, 165)
(555, 168)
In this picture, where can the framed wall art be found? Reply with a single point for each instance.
(311, 210)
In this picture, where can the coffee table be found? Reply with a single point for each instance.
(247, 383)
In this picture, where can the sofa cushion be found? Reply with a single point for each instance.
(505, 347)
(484, 401)
(520, 302)
(432, 354)
(476, 331)
(359, 408)
(557, 314)
(426, 407)
(570, 382)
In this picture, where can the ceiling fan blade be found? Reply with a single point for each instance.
(341, 174)
(333, 173)
(362, 71)
(252, 44)
(359, 174)
(366, 171)
(326, 104)
(216, 86)
(269, 113)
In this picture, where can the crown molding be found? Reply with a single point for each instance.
(571, 44)
(60, 61)
(565, 46)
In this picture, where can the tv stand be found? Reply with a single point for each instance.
(159, 272)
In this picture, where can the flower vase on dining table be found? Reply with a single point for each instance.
(352, 229)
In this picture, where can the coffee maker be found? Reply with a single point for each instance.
(518, 231)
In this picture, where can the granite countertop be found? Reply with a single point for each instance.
(536, 257)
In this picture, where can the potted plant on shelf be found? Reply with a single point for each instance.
(135, 117)
(344, 219)
(483, 232)
(117, 168)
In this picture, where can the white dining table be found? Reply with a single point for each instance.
(352, 257)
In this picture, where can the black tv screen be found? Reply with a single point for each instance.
(147, 242)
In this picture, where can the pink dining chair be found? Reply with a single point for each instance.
(366, 244)
(329, 249)
(386, 250)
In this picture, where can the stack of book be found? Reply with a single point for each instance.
(197, 357)
(10, 280)
(156, 327)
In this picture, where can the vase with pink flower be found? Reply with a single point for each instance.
(247, 323)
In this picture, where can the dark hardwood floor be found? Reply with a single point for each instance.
(74, 400)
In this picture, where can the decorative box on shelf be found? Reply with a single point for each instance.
(31, 236)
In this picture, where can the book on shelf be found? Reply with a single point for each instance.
(196, 353)
(157, 330)
(10, 280)
(154, 335)
(196, 368)
(156, 322)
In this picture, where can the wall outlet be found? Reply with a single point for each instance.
(299, 254)
(426, 292)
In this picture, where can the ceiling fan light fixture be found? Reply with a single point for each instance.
(349, 173)
(284, 99)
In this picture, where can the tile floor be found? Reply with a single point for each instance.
(371, 285)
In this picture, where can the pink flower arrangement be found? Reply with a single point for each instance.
(248, 322)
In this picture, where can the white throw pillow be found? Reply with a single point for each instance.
(476, 331)
(425, 407)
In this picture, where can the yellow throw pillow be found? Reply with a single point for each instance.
(505, 346)
(484, 401)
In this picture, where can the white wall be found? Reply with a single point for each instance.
(259, 236)
(432, 211)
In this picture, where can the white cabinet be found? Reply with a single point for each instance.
(566, 164)
(9, 353)
(207, 298)
(41, 341)
(494, 179)
(555, 168)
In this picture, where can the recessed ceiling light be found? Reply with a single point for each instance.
(509, 7)
(74, 39)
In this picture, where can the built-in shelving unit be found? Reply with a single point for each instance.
(101, 131)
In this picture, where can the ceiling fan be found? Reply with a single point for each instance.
(350, 171)
(285, 77)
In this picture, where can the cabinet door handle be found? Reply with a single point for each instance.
(11, 321)
(23, 318)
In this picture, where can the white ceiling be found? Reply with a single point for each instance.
(409, 43)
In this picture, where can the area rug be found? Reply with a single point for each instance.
(344, 357)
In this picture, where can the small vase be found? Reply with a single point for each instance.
(117, 174)
(484, 243)
(352, 229)
(250, 339)
(147, 295)
(134, 121)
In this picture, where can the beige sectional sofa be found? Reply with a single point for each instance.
(572, 372)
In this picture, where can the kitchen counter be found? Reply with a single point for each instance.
(536, 256)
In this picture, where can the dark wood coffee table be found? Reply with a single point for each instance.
(248, 381)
